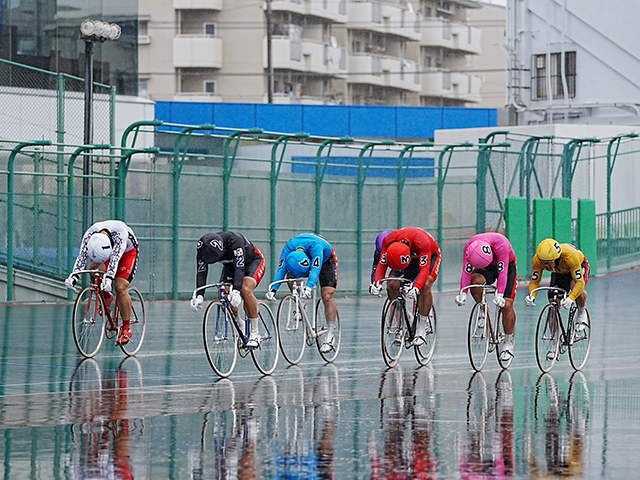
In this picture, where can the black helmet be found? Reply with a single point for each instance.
(210, 248)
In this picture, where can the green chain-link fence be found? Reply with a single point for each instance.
(272, 186)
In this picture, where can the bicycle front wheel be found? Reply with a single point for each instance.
(220, 339)
(88, 322)
(292, 330)
(580, 344)
(138, 323)
(547, 338)
(322, 328)
(266, 355)
(393, 332)
(424, 352)
(478, 336)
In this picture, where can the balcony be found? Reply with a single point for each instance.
(384, 71)
(197, 51)
(384, 18)
(197, 4)
(196, 97)
(453, 85)
(334, 10)
(306, 56)
(454, 36)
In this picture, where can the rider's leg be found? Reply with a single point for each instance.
(508, 316)
(477, 279)
(251, 309)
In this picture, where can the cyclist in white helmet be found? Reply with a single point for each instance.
(110, 246)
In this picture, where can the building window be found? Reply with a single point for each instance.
(209, 28)
(143, 87)
(209, 87)
(143, 32)
(539, 76)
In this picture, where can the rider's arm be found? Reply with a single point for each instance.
(425, 263)
(282, 269)
(576, 259)
(81, 260)
(376, 260)
(239, 264)
(201, 275)
(503, 272)
(119, 239)
(317, 259)
(536, 275)
(467, 270)
(381, 268)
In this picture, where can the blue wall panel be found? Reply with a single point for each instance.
(235, 115)
(416, 123)
(279, 118)
(367, 121)
(329, 121)
(381, 167)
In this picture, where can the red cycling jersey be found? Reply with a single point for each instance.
(422, 246)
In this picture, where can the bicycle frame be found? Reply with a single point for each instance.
(96, 285)
(223, 297)
(490, 289)
(411, 325)
(564, 333)
(297, 290)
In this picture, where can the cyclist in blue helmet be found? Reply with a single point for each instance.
(310, 255)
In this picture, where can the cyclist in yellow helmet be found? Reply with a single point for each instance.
(569, 270)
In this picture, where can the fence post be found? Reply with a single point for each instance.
(60, 178)
(320, 171)
(362, 177)
(10, 203)
(611, 161)
(276, 165)
(402, 176)
(178, 162)
(228, 167)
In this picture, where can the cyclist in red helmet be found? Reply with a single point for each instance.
(413, 254)
(487, 258)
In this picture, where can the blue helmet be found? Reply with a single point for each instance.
(297, 263)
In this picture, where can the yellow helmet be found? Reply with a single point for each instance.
(548, 250)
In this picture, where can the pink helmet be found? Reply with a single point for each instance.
(479, 254)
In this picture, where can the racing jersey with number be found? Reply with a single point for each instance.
(236, 250)
(316, 248)
(422, 246)
(569, 263)
(122, 240)
(503, 254)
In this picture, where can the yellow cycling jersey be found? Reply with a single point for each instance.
(569, 263)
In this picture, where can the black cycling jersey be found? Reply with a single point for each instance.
(231, 248)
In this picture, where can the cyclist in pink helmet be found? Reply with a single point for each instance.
(489, 257)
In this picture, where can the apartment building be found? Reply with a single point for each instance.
(360, 52)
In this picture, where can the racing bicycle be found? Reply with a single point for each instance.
(226, 336)
(93, 320)
(399, 321)
(553, 338)
(484, 336)
(297, 329)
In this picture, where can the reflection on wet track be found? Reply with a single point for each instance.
(164, 413)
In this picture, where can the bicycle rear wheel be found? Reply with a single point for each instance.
(500, 335)
(292, 330)
(220, 339)
(322, 328)
(266, 355)
(138, 323)
(478, 336)
(88, 322)
(547, 338)
(393, 332)
(424, 352)
(580, 344)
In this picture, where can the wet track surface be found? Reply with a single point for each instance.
(164, 413)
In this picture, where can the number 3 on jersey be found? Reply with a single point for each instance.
(423, 260)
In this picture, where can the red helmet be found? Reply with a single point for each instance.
(479, 254)
(398, 256)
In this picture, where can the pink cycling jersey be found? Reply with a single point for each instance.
(503, 254)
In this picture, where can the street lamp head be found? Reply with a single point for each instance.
(100, 31)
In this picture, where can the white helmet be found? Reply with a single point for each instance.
(99, 247)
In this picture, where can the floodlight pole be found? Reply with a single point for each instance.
(87, 186)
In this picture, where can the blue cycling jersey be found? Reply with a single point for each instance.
(316, 248)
